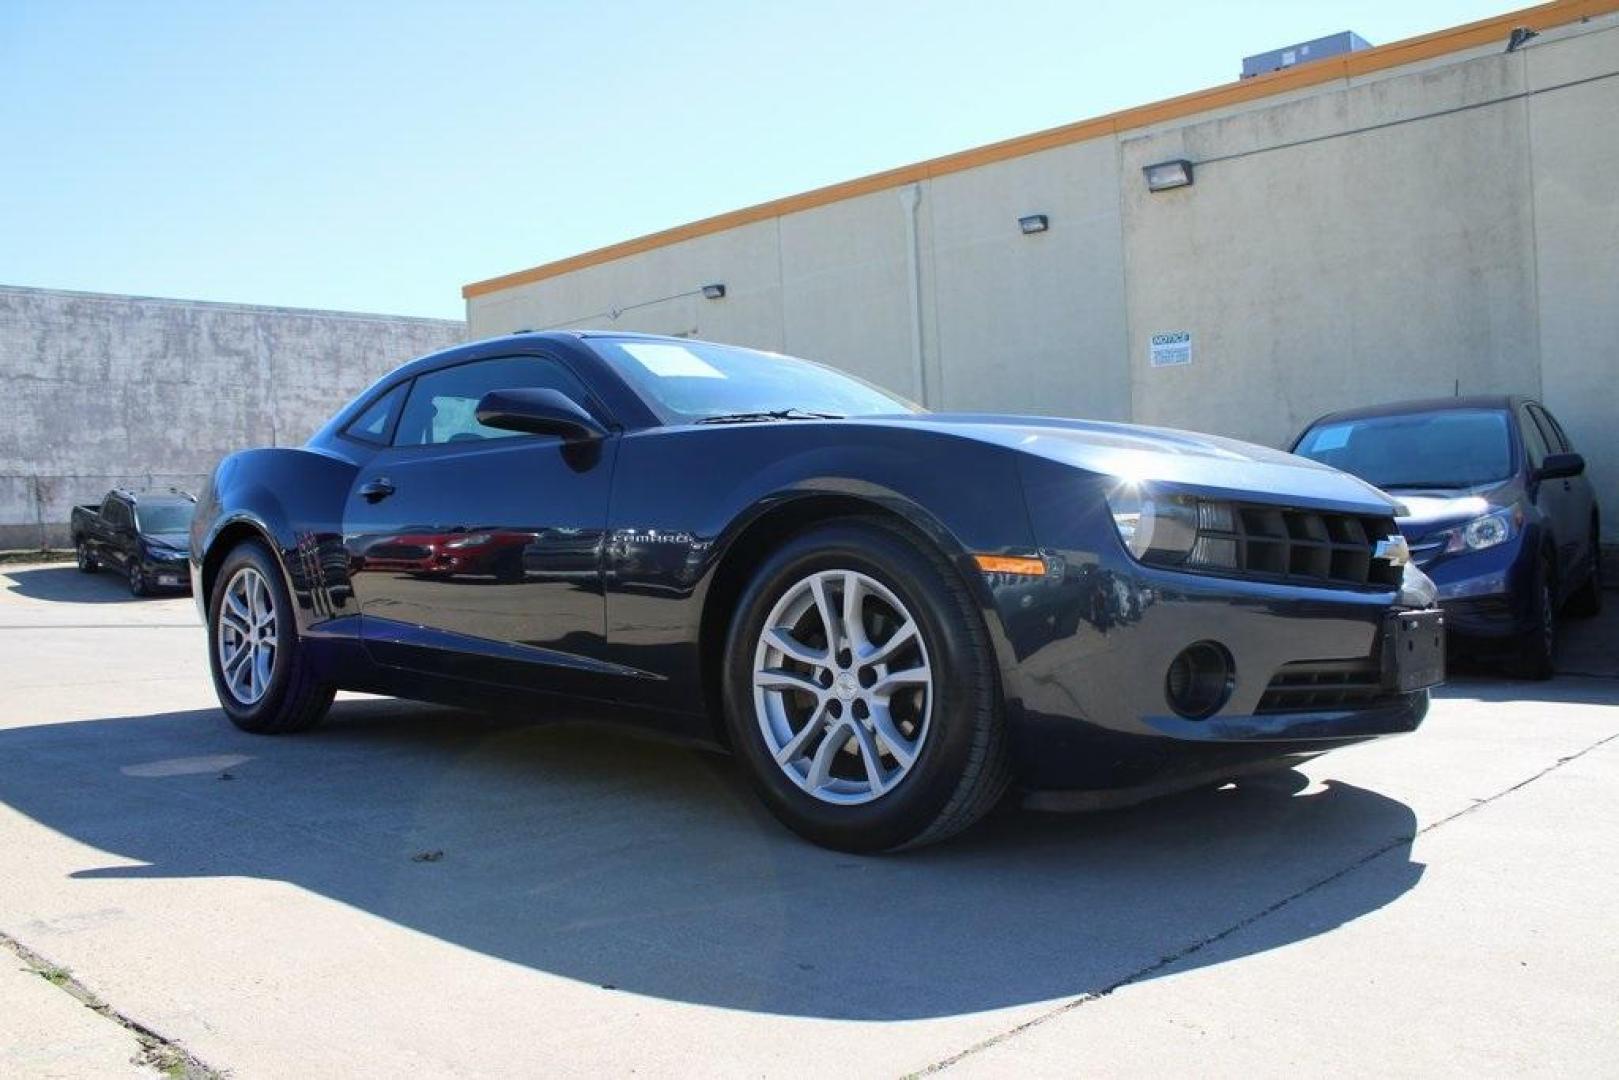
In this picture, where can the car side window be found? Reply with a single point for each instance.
(1533, 440)
(1549, 429)
(116, 514)
(374, 425)
(442, 403)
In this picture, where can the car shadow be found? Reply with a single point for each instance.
(594, 854)
(66, 584)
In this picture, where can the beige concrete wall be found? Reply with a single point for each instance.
(99, 390)
(1576, 208)
(1448, 226)
(1335, 252)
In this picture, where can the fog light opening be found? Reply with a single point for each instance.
(1200, 679)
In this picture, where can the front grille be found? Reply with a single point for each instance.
(1308, 547)
(1311, 685)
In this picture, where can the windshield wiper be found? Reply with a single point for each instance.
(774, 414)
(1413, 485)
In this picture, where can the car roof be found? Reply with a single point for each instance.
(1500, 402)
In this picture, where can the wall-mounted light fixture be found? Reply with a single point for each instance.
(1033, 223)
(715, 291)
(1168, 174)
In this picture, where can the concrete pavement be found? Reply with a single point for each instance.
(606, 904)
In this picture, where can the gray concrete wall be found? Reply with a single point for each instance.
(100, 390)
(1451, 225)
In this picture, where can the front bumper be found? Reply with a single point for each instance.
(1088, 696)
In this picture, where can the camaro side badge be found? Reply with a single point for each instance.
(1394, 549)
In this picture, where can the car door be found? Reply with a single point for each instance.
(1570, 501)
(117, 533)
(476, 552)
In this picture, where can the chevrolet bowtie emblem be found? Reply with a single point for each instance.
(1394, 549)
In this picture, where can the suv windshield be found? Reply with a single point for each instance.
(164, 517)
(684, 382)
(1451, 448)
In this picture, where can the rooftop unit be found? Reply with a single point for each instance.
(1332, 45)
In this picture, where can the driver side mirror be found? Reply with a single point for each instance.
(539, 412)
(1560, 466)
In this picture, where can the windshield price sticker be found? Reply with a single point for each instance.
(672, 361)
(1171, 349)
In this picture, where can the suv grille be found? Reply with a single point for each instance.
(1308, 685)
(1307, 547)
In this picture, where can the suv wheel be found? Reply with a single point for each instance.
(1588, 601)
(1538, 646)
(81, 555)
(137, 580)
(861, 692)
(262, 674)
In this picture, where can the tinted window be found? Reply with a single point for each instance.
(1533, 439)
(164, 517)
(1549, 429)
(1453, 448)
(372, 425)
(687, 381)
(442, 404)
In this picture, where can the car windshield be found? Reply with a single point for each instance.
(685, 382)
(1449, 448)
(164, 518)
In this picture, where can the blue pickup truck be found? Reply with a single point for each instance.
(142, 534)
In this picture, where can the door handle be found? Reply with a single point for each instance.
(377, 490)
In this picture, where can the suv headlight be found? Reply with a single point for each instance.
(1496, 527)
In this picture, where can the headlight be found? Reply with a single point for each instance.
(470, 540)
(1155, 528)
(1496, 527)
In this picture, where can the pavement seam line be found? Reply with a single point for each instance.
(156, 1050)
(1198, 946)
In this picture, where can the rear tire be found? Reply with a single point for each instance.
(896, 738)
(1588, 601)
(262, 672)
(81, 555)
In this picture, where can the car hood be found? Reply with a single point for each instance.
(1203, 464)
(1428, 509)
(179, 541)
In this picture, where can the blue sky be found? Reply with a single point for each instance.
(378, 156)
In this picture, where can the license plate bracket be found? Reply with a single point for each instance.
(1413, 650)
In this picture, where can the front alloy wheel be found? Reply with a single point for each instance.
(861, 691)
(842, 687)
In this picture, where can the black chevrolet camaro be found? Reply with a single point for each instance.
(892, 617)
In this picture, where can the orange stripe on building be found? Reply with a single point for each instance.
(1347, 66)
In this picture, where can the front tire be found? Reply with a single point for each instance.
(262, 673)
(1537, 648)
(1588, 601)
(861, 692)
(137, 580)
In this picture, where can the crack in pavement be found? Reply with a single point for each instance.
(156, 1051)
(1198, 946)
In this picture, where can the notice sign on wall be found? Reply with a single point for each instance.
(1171, 349)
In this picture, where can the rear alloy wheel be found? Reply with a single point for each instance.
(137, 580)
(86, 562)
(262, 676)
(861, 692)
